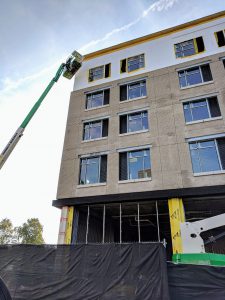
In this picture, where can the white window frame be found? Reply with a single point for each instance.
(205, 139)
(191, 67)
(132, 58)
(129, 149)
(138, 112)
(181, 45)
(98, 67)
(99, 170)
(90, 125)
(127, 86)
(207, 104)
(128, 164)
(185, 76)
(91, 100)
(143, 147)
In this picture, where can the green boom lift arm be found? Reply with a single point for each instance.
(68, 70)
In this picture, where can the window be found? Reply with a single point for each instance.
(132, 63)
(133, 90)
(97, 99)
(201, 109)
(133, 122)
(93, 169)
(223, 62)
(220, 38)
(134, 164)
(95, 129)
(195, 75)
(208, 155)
(99, 72)
(190, 47)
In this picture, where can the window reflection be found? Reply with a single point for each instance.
(139, 164)
(90, 170)
(204, 156)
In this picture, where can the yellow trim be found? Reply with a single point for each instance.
(121, 65)
(195, 46)
(69, 225)
(109, 70)
(155, 35)
(215, 33)
(177, 216)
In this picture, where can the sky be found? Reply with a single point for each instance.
(35, 37)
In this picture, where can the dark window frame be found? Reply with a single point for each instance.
(220, 38)
(223, 60)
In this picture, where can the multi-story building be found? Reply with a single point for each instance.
(146, 127)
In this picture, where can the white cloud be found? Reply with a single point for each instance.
(10, 85)
(159, 5)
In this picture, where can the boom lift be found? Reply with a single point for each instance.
(68, 70)
(188, 244)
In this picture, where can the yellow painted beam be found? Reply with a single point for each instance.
(69, 225)
(177, 216)
(195, 46)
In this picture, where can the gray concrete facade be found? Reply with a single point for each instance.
(171, 165)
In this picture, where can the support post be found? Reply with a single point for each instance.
(103, 225)
(177, 216)
(157, 217)
(69, 225)
(120, 223)
(66, 225)
(87, 226)
(139, 230)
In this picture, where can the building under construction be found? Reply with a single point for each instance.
(142, 180)
(144, 150)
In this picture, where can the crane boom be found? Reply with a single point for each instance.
(67, 69)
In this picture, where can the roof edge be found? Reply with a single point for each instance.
(155, 35)
(202, 191)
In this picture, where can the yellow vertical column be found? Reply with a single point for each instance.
(177, 216)
(195, 46)
(69, 225)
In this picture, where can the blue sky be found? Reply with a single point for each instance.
(35, 36)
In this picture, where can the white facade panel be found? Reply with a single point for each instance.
(159, 53)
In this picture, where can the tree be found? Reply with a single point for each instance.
(30, 232)
(7, 232)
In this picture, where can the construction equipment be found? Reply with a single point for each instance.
(188, 244)
(190, 233)
(68, 70)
